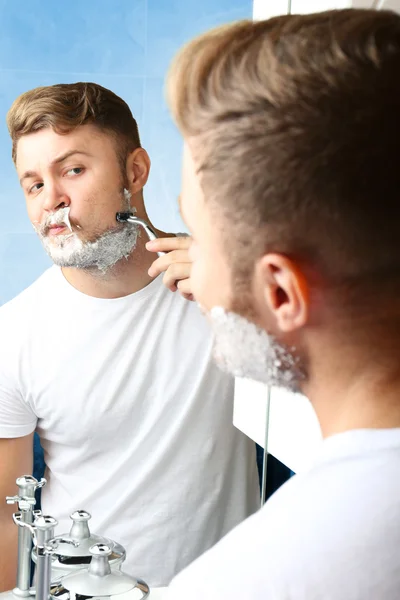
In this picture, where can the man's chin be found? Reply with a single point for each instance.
(101, 254)
(243, 349)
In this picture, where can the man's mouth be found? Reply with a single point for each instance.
(56, 229)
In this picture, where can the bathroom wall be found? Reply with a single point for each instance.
(125, 45)
(264, 9)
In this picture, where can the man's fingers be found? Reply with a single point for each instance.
(175, 273)
(175, 264)
(189, 297)
(168, 244)
(185, 288)
(162, 263)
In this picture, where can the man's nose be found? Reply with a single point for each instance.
(55, 199)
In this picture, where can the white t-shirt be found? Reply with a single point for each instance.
(134, 418)
(330, 534)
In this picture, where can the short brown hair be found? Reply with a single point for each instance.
(294, 124)
(65, 106)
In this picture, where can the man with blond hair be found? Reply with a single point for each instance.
(111, 369)
(291, 192)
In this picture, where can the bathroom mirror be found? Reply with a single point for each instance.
(123, 45)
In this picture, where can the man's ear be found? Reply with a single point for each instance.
(282, 290)
(137, 169)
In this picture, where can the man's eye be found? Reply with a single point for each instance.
(35, 187)
(75, 171)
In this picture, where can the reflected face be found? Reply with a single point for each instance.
(243, 344)
(73, 188)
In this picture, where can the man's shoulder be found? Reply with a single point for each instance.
(24, 303)
(315, 530)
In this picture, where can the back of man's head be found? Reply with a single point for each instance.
(294, 125)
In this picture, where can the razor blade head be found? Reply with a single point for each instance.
(123, 217)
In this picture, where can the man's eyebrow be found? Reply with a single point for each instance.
(56, 161)
(66, 155)
(27, 175)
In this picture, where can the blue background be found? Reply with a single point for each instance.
(125, 45)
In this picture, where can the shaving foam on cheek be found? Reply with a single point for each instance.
(101, 253)
(128, 198)
(245, 350)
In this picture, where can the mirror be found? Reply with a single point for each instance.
(46, 350)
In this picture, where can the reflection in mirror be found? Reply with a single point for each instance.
(103, 353)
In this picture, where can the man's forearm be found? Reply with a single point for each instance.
(8, 555)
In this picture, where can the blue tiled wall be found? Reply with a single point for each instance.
(125, 45)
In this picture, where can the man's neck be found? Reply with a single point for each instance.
(126, 277)
(350, 392)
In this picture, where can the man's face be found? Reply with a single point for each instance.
(243, 344)
(210, 274)
(73, 188)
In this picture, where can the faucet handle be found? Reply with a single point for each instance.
(52, 544)
(30, 481)
(17, 518)
(43, 525)
(40, 483)
(27, 486)
(99, 565)
(24, 502)
(80, 526)
(80, 515)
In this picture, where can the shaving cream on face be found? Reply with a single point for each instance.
(128, 207)
(245, 350)
(128, 198)
(61, 217)
(102, 253)
(66, 217)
